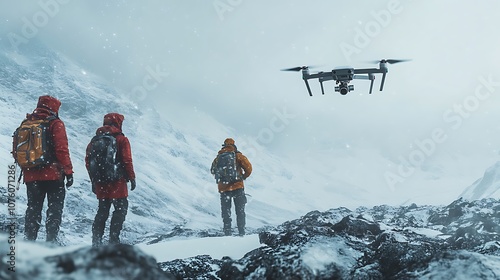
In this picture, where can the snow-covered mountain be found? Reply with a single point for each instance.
(176, 200)
(174, 186)
(487, 186)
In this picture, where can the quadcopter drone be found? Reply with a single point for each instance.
(343, 76)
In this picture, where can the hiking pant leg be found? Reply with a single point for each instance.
(239, 203)
(100, 221)
(119, 213)
(55, 201)
(225, 202)
(33, 217)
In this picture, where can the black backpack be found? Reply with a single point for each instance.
(105, 166)
(225, 168)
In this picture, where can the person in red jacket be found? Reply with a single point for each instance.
(112, 193)
(48, 180)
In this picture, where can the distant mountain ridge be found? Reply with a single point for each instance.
(487, 186)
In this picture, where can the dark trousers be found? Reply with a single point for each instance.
(239, 204)
(36, 192)
(120, 211)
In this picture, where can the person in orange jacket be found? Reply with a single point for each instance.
(48, 180)
(233, 190)
(112, 193)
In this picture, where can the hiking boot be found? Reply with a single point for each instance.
(114, 239)
(53, 241)
(228, 232)
(96, 242)
(51, 237)
(29, 237)
(241, 231)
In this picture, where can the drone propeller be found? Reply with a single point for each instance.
(296, 68)
(299, 68)
(390, 61)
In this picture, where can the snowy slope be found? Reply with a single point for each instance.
(486, 186)
(175, 188)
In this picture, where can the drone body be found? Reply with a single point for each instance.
(343, 76)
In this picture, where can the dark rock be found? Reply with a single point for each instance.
(459, 265)
(358, 227)
(399, 252)
(262, 263)
(113, 261)
(199, 267)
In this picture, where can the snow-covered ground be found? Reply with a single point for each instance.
(235, 247)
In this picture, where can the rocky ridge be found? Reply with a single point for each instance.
(384, 242)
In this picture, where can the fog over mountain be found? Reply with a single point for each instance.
(186, 75)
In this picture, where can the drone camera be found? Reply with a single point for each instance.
(344, 89)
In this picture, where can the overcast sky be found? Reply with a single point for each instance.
(222, 57)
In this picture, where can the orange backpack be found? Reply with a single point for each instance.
(32, 143)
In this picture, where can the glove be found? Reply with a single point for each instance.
(132, 184)
(69, 180)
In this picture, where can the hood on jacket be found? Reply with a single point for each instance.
(228, 141)
(50, 103)
(228, 146)
(114, 119)
(108, 129)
